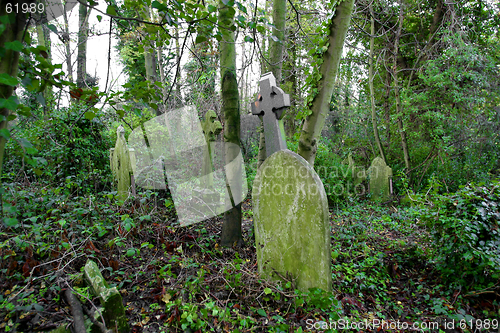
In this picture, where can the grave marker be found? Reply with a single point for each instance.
(270, 105)
(122, 162)
(380, 180)
(292, 231)
(206, 193)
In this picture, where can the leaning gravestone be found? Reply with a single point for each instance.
(292, 232)
(122, 162)
(380, 180)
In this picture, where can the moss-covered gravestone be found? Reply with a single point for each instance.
(358, 173)
(292, 232)
(207, 194)
(122, 160)
(380, 180)
(111, 300)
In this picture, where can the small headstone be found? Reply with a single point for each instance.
(380, 180)
(111, 300)
(122, 162)
(206, 193)
(292, 231)
(358, 173)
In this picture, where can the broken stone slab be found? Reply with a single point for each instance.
(111, 300)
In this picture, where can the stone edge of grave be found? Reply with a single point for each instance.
(111, 299)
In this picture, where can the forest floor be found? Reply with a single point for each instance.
(175, 279)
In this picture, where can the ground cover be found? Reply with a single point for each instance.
(180, 280)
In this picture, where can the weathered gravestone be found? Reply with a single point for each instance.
(211, 128)
(292, 232)
(122, 162)
(380, 180)
(111, 299)
(358, 173)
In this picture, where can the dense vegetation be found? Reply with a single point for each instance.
(418, 84)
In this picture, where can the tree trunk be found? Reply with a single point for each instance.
(9, 64)
(321, 103)
(150, 60)
(291, 113)
(275, 60)
(399, 110)
(178, 94)
(81, 64)
(43, 36)
(231, 229)
(436, 22)
(370, 83)
(66, 41)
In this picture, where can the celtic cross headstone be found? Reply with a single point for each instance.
(270, 105)
(292, 231)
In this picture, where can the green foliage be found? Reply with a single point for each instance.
(465, 233)
(69, 146)
(336, 176)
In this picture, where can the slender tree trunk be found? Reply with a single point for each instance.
(9, 63)
(231, 229)
(43, 36)
(395, 80)
(370, 83)
(66, 40)
(436, 22)
(315, 122)
(178, 94)
(81, 65)
(292, 78)
(275, 60)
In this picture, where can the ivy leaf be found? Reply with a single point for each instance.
(8, 80)
(241, 7)
(89, 115)
(111, 10)
(10, 222)
(99, 18)
(200, 39)
(14, 45)
(249, 39)
(53, 28)
(5, 133)
(10, 103)
(158, 5)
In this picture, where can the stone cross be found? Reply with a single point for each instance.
(270, 105)
(211, 128)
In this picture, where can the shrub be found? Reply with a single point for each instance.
(465, 230)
